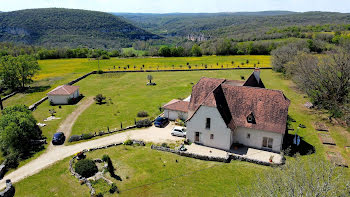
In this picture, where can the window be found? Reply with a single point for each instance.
(207, 124)
(267, 142)
(211, 136)
(248, 135)
(251, 118)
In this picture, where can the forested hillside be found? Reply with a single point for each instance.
(55, 27)
(240, 26)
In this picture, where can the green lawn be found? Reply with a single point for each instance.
(144, 167)
(146, 172)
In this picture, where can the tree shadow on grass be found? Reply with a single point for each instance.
(34, 89)
(116, 177)
(291, 149)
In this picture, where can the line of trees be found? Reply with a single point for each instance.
(325, 79)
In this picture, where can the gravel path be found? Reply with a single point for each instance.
(67, 125)
(56, 153)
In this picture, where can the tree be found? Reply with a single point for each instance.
(282, 55)
(196, 50)
(27, 68)
(18, 71)
(99, 98)
(300, 177)
(326, 80)
(164, 51)
(18, 128)
(150, 78)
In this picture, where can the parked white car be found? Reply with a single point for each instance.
(178, 131)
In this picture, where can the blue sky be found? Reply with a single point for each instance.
(188, 6)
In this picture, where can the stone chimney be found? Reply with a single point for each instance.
(257, 74)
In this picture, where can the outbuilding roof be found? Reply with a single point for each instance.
(63, 90)
(177, 105)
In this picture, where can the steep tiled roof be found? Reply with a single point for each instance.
(235, 103)
(269, 107)
(63, 90)
(177, 105)
(200, 92)
(253, 81)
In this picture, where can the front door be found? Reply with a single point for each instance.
(196, 137)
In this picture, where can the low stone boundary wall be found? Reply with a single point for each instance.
(192, 155)
(102, 133)
(240, 158)
(82, 77)
(35, 105)
(9, 96)
(9, 190)
(219, 159)
(184, 70)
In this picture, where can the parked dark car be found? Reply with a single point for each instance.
(58, 138)
(161, 122)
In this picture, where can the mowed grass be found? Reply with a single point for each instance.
(142, 169)
(146, 172)
(130, 94)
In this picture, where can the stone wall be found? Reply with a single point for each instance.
(192, 155)
(9, 96)
(9, 190)
(210, 158)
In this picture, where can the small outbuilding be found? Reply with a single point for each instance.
(176, 109)
(63, 95)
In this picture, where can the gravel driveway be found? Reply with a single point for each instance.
(56, 153)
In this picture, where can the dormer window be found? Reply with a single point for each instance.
(251, 118)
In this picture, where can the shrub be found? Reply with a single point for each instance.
(99, 72)
(143, 123)
(105, 158)
(74, 138)
(165, 145)
(142, 114)
(86, 136)
(86, 168)
(128, 142)
(99, 98)
(113, 189)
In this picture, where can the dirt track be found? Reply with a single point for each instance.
(67, 125)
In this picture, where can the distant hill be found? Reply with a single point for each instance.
(238, 26)
(69, 28)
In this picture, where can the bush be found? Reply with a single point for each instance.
(105, 158)
(87, 136)
(86, 168)
(113, 189)
(74, 138)
(165, 145)
(99, 72)
(128, 142)
(143, 123)
(12, 161)
(142, 114)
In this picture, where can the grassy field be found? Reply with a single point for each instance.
(146, 172)
(143, 166)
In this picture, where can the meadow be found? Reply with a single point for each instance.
(144, 167)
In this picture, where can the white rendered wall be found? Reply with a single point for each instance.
(62, 99)
(222, 134)
(173, 115)
(256, 138)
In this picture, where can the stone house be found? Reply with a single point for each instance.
(222, 113)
